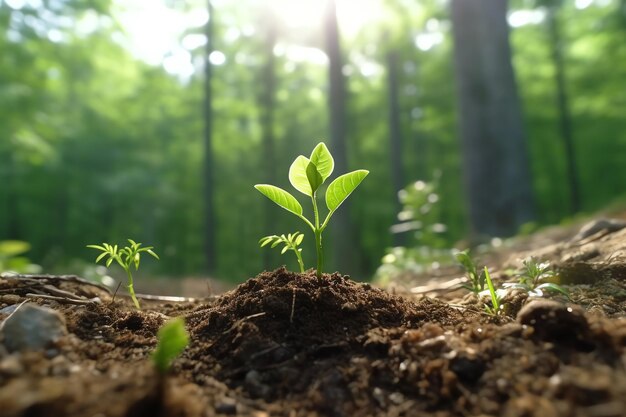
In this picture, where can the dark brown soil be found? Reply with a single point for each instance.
(285, 344)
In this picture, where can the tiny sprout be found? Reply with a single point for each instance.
(307, 175)
(291, 242)
(476, 279)
(172, 340)
(531, 277)
(126, 257)
(495, 308)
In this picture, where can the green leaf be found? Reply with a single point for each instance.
(299, 239)
(102, 255)
(151, 252)
(323, 160)
(313, 176)
(265, 240)
(172, 340)
(342, 187)
(276, 243)
(97, 247)
(280, 197)
(553, 287)
(298, 177)
(285, 249)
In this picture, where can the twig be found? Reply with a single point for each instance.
(115, 293)
(70, 278)
(61, 299)
(293, 305)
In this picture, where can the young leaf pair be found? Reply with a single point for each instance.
(307, 175)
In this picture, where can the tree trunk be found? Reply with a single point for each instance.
(209, 179)
(495, 157)
(565, 119)
(343, 256)
(395, 135)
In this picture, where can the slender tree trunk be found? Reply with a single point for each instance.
(565, 117)
(343, 255)
(267, 105)
(395, 135)
(495, 156)
(209, 172)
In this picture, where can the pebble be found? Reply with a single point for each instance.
(558, 323)
(32, 328)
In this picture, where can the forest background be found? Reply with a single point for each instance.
(103, 138)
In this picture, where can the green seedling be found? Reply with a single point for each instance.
(126, 257)
(476, 279)
(172, 340)
(307, 175)
(531, 277)
(291, 242)
(495, 308)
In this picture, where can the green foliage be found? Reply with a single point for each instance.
(11, 259)
(307, 175)
(531, 277)
(291, 242)
(172, 340)
(126, 257)
(420, 214)
(495, 308)
(477, 279)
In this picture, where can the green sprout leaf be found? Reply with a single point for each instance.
(290, 241)
(298, 177)
(313, 176)
(323, 160)
(280, 197)
(126, 257)
(342, 187)
(172, 340)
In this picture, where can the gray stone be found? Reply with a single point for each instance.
(32, 327)
(557, 323)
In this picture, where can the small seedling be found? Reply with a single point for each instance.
(476, 279)
(531, 277)
(495, 308)
(172, 340)
(291, 242)
(307, 175)
(126, 257)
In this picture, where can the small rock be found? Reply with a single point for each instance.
(32, 328)
(11, 366)
(557, 323)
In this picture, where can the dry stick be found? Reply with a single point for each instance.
(60, 299)
(115, 293)
(293, 305)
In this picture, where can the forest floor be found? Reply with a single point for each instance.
(285, 344)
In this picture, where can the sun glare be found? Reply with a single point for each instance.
(353, 15)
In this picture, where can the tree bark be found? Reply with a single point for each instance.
(497, 177)
(343, 256)
(209, 179)
(395, 135)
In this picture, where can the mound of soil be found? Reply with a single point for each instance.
(286, 344)
(280, 334)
